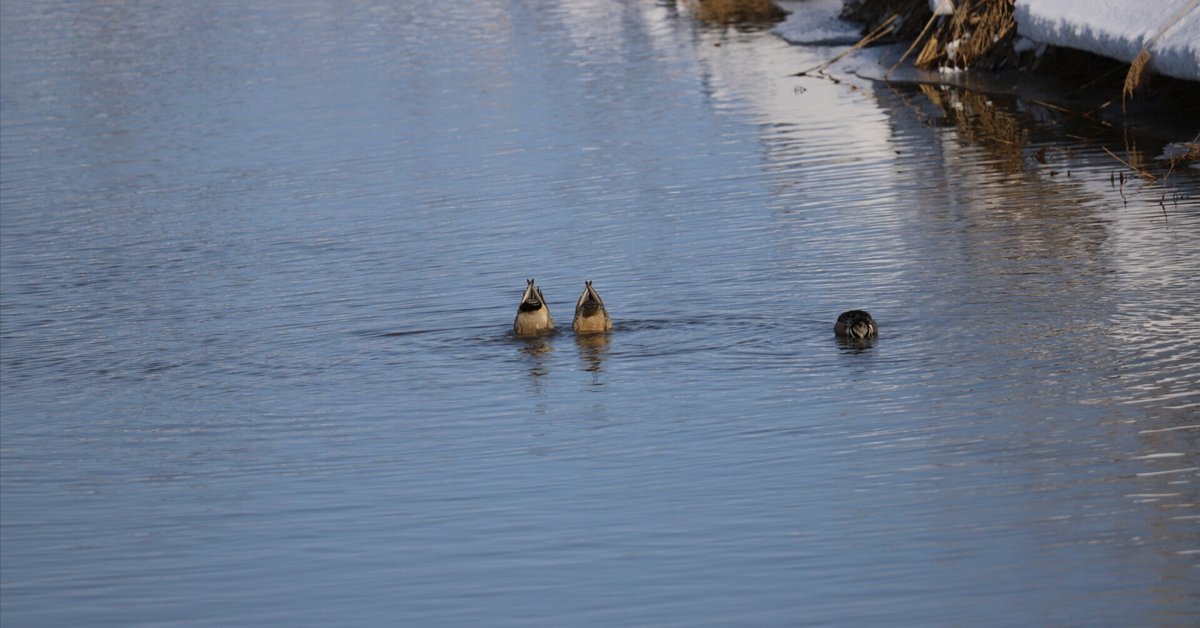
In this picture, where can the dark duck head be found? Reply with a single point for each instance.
(855, 325)
(590, 315)
(533, 315)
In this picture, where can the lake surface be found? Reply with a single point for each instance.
(260, 266)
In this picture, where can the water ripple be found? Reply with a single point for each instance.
(261, 262)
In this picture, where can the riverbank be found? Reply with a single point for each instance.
(1161, 37)
(912, 45)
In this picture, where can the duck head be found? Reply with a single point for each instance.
(590, 315)
(855, 325)
(533, 315)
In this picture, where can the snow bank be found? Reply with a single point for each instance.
(1119, 29)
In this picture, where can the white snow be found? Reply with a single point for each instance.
(816, 23)
(1119, 29)
(1025, 44)
(952, 48)
(941, 7)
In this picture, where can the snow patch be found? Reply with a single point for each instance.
(1119, 30)
(816, 23)
(941, 7)
(1024, 44)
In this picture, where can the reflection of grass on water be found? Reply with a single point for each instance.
(1003, 134)
(737, 11)
(999, 131)
(979, 122)
(1007, 137)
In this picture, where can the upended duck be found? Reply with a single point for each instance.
(533, 315)
(590, 315)
(856, 325)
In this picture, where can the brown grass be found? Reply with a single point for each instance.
(928, 53)
(1137, 76)
(983, 28)
(737, 11)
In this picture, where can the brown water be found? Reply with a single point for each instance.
(260, 262)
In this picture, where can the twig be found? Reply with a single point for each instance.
(1098, 79)
(1162, 200)
(1052, 106)
(879, 32)
(916, 41)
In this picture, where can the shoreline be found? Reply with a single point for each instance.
(1076, 82)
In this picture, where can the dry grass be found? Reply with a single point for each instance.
(737, 11)
(972, 36)
(1137, 76)
(930, 52)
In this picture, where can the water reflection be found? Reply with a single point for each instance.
(991, 228)
(537, 353)
(980, 122)
(1027, 418)
(592, 348)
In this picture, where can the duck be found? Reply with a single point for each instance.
(533, 315)
(590, 315)
(856, 325)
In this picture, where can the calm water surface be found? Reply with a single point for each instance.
(260, 262)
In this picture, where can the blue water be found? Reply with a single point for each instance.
(261, 261)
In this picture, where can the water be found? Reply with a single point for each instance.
(260, 262)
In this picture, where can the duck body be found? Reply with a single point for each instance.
(590, 315)
(533, 315)
(855, 324)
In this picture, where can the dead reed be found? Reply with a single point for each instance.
(1137, 76)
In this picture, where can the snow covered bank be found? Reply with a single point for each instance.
(1119, 29)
